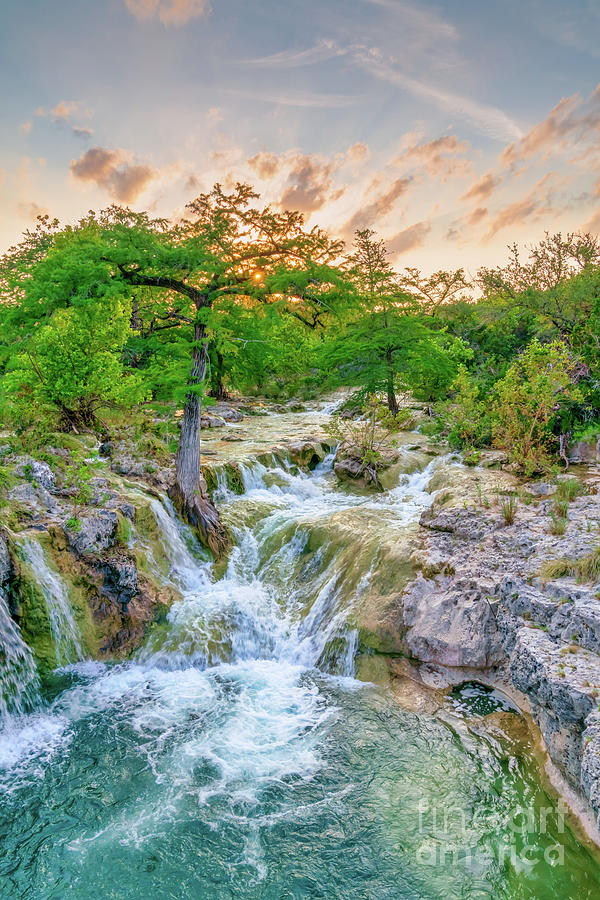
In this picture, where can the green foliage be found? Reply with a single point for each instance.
(73, 364)
(367, 436)
(558, 523)
(78, 480)
(384, 343)
(527, 402)
(466, 414)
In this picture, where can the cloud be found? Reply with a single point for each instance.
(307, 178)
(439, 157)
(358, 152)
(81, 131)
(571, 121)
(290, 59)
(409, 238)
(169, 12)
(425, 21)
(31, 211)
(25, 127)
(594, 223)
(113, 171)
(314, 101)
(309, 185)
(537, 203)
(483, 188)
(215, 114)
(266, 165)
(490, 120)
(64, 110)
(377, 209)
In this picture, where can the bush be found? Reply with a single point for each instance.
(467, 416)
(527, 402)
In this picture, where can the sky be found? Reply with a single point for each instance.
(452, 129)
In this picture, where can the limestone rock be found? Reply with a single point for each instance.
(97, 532)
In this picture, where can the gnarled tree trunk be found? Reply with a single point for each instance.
(189, 492)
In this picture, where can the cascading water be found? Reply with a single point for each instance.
(237, 757)
(65, 633)
(19, 683)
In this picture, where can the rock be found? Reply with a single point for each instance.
(560, 686)
(492, 459)
(120, 579)
(34, 499)
(211, 422)
(5, 563)
(307, 454)
(228, 413)
(585, 452)
(454, 627)
(590, 762)
(468, 524)
(540, 488)
(348, 468)
(97, 532)
(36, 472)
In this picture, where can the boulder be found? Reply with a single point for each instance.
(97, 532)
(36, 472)
(211, 422)
(453, 627)
(228, 413)
(585, 452)
(307, 454)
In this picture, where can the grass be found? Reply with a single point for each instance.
(508, 508)
(560, 508)
(569, 489)
(585, 570)
(558, 523)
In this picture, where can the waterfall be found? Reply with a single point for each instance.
(65, 633)
(19, 684)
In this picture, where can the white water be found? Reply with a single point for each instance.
(65, 633)
(237, 652)
(19, 683)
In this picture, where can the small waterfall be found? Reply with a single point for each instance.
(19, 683)
(65, 633)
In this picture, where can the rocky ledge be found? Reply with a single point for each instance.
(517, 606)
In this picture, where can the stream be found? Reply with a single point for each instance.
(238, 756)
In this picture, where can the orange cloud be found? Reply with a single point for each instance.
(571, 120)
(409, 238)
(439, 158)
(483, 188)
(112, 171)
(169, 12)
(379, 208)
(537, 203)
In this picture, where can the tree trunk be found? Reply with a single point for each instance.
(218, 391)
(189, 492)
(391, 393)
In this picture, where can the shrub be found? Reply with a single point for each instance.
(527, 402)
(466, 415)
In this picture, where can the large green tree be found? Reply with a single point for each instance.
(385, 343)
(181, 279)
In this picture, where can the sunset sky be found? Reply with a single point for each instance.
(451, 128)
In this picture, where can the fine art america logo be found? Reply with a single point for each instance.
(451, 835)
